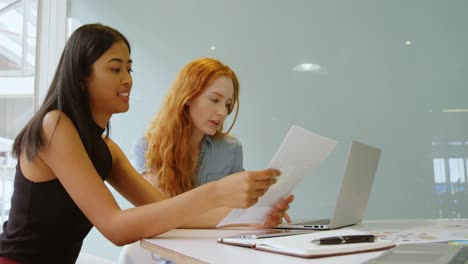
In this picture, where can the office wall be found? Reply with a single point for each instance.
(393, 74)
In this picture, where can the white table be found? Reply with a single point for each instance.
(200, 246)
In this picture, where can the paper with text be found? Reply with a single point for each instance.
(298, 155)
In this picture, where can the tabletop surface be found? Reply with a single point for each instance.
(200, 245)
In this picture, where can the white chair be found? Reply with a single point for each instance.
(135, 254)
(85, 258)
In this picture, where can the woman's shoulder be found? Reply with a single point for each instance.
(53, 119)
(53, 116)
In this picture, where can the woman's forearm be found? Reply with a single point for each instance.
(153, 219)
(209, 219)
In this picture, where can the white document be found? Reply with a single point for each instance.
(298, 155)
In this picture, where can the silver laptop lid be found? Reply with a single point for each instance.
(356, 185)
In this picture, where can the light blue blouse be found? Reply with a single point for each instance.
(218, 158)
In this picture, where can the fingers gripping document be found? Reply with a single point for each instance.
(298, 155)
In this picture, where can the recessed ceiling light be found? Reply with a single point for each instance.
(306, 67)
(212, 48)
(408, 42)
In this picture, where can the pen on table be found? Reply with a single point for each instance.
(343, 239)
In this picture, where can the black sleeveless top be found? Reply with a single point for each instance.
(44, 224)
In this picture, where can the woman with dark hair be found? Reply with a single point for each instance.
(64, 159)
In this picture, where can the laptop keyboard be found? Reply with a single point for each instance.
(461, 257)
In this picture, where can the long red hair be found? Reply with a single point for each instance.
(169, 157)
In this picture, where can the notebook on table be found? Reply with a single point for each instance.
(301, 245)
(356, 186)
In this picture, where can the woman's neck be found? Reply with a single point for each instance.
(101, 119)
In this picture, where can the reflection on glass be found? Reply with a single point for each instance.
(455, 110)
(457, 172)
(439, 171)
(450, 177)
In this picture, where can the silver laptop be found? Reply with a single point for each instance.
(423, 253)
(356, 186)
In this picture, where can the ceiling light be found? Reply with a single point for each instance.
(306, 67)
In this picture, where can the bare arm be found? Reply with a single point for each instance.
(67, 158)
(211, 218)
(126, 180)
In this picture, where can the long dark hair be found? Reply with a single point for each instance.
(68, 93)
